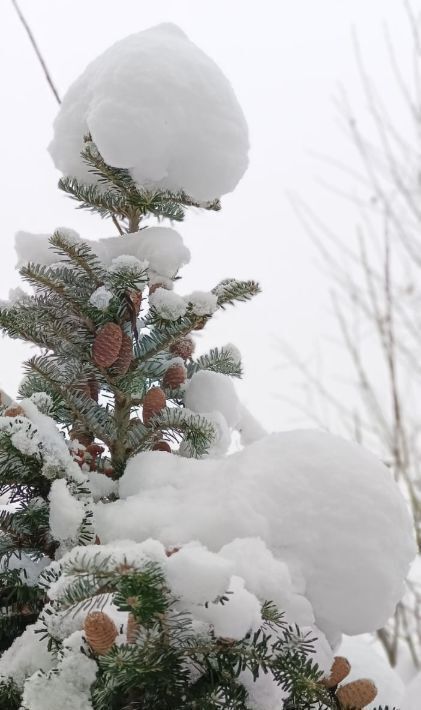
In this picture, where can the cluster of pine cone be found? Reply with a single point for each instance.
(101, 632)
(354, 695)
(112, 346)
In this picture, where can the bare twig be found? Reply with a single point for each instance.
(37, 51)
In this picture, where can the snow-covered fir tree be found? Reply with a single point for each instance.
(142, 565)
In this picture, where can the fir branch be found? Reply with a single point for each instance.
(93, 198)
(80, 255)
(196, 431)
(231, 290)
(217, 360)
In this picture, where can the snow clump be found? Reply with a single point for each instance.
(202, 303)
(101, 298)
(167, 304)
(307, 494)
(157, 105)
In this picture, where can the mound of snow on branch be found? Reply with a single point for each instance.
(321, 505)
(155, 104)
(160, 248)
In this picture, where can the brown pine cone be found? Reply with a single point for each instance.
(132, 628)
(153, 402)
(174, 376)
(100, 632)
(357, 694)
(125, 355)
(162, 446)
(184, 347)
(14, 411)
(340, 669)
(107, 344)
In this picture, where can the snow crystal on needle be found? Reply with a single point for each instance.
(101, 298)
(156, 104)
(168, 305)
(307, 494)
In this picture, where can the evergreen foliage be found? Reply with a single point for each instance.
(169, 665)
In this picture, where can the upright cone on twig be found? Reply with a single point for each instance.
(153, 402)
(107, 344)
(357, 694)
(174, 376)
(125, 356)
(100, 632)
(340, 669)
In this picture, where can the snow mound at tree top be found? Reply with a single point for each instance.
(156, 104)
(325, 506)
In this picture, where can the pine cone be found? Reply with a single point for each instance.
(14, 411)
(356, 694)
(183, 348)
(107, 345)
(100, 632)
(125, 355)
(132, 628)
(340, 669)
(162, 446)
(174, 376)
(153, 402)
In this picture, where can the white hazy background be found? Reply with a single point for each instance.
(286, 61)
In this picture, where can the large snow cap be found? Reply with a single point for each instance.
(326, 506)
(156, 104)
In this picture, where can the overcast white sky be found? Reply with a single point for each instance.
(286, 60)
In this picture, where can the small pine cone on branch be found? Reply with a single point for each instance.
(154, 402)
(184, 348)
(162, 446)
(357, 694)
(107, 344)
(14, 411)
(132, 628)
(340, 669)
(100, 632)
(125, 356)
(174, 376)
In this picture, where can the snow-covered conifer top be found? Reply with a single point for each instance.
(156, 104)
